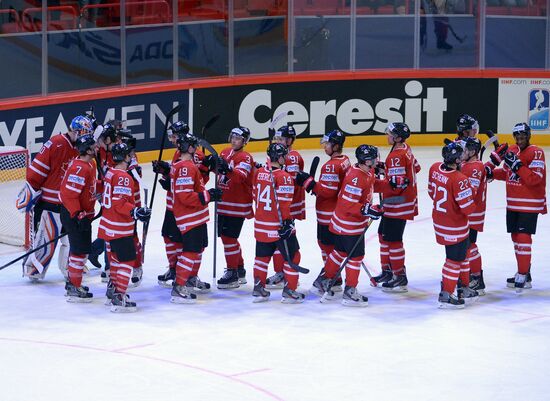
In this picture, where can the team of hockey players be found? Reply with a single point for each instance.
(94, 163)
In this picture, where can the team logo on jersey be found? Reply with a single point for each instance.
(539, 100)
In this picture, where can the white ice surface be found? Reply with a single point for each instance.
(227, 348)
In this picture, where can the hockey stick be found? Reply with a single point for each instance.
(447, 141)
(488, 142)
(314, 165)
(146, 224)
(371, 278)
(460, 39)
(286, 254)
(208, 124)
(392, 200)
(143, 235)
(271, 129)
(97, 216)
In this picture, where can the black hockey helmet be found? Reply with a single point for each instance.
(452, 153)
(471, 143)
(179, 127)
(286, 131)
(275, 151)
(335, 137)
(110, 129)
(126, 137)
(466, 122)
(400, 130)
(185, 140)
(522, 128)
(242, 132)
(120, 151)
(84, 143)
(365, 153)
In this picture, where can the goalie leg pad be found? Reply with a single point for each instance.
(63, 256)
(48, 228)
(27, 198)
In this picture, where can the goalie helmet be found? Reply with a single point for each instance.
(275, 151)
(365, 153)
(286, 131)
(119, 152)
(81, 125)
(472, 143)
(84, 143)
(242, 132)
(452, 153)
(466, 122)
(400, 130)
(185, 140)
(335, 137)
(522, 128)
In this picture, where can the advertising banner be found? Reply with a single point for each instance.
(357, 107)
(524, 100)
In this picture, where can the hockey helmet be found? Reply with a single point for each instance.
(286, 131)
(275, 151)
(179, 127)
(242, 132)
(522, 128)
(126, 137)
(452, 153)
(466, 122)
(84, 143)
(472, 143)
(81, 125)
(110, 129)
(185, 140)
(400, 130)
(120, 151)
(335, 137)
(365, 153)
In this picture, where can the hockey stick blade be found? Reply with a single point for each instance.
(276, 119)
(447, 141)
(209, 123)
(493, 139)
(204, 143)
(314, 165)
(373, 282)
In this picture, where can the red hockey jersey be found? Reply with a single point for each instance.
(475, 171)
(198, 158)
(266, 221)
(526, 190)
(328, 186)
(236, 185)
(186, 182)
(48, 167)
(453, 202)
(293, 164)
(401, 162)
(118, 202)
(357, 190)
(77, 190)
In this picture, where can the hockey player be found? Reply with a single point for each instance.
(191, 213)
(453, 202)
(293, 164)
(400, 169)
(117, 227)
(466, 127)
(326, 191)
(273, 194)
(77, 196)
(525, 176)
(40, 195)
(350, 219)
(474, 169)
(235, 180)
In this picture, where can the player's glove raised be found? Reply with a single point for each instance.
(380, 168)
(223, 167)
(165, 183)
(161, 167)
(305, 180)
(512, 161)
(372, 211)
(211, 195)
(498, 154)
(286, 229)
(141, 213)
(210, 162)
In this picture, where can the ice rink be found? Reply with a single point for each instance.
(227, 348)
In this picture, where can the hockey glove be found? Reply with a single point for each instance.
(83, 223)
(258, 165)
(398, 182)
(372, 211)
(210, 162)
(303, 179)
(512, 161)
(161, 167)
(489, 172)
(223, 167)
(141, 213)
(497, 155)
(380, 169)
(27, 198)
(286, 229)
(212, 195)
(165, 183)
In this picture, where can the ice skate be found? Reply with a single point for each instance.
(166, 280)
(229, 280)
(32, 273)
(241, 271)
(94, 260)
(337, 286)
(511, 282)
(196, 286)
(110, 293)
(78, 294)
(182, 295)
(277, 281)
(521, 283)
(449, 301)
(477, 283)
(292, 296)
(384, 276)
(397, 284)
(467, 294)
(320, 286)
(105, 276)
(137, 275)
(259, 293)
(68, 284)
(352, 298)
(121, 303)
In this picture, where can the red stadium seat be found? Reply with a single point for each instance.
(65, 18)
(13, 24)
